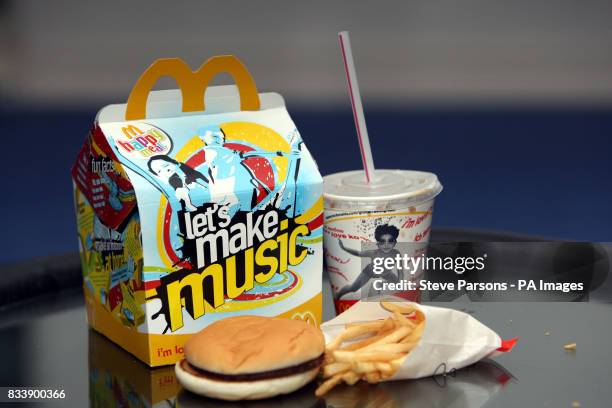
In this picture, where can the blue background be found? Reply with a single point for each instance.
(545, 173)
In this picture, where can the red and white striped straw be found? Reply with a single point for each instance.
(353, 86)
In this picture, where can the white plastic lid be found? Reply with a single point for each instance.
(389, 189)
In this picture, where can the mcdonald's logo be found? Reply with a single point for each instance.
(192, 84)
(142, 141)
(131, 131)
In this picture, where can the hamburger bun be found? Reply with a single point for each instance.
(251, 357)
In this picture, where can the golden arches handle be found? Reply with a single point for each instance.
(193, 84)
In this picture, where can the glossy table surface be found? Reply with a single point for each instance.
(48, 344)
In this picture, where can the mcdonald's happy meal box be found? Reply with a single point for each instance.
(189, 213)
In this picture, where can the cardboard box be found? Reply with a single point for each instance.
(189, 212)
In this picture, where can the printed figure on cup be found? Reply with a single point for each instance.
(386, 240)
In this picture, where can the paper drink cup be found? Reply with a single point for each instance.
(372, 220)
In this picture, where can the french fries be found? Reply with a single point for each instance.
(372, 351)
(327, 385)
(352, 333)
(403, 309)
(332, 369)
(362, 343)
(351, 356)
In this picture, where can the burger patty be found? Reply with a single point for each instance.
(264, 375)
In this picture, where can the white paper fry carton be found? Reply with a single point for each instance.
(451, 339)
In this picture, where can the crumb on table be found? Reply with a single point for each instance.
(570, 346)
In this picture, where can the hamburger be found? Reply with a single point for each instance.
(251, 357)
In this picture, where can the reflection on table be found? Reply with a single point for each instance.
(471, 387)
(116, 378)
